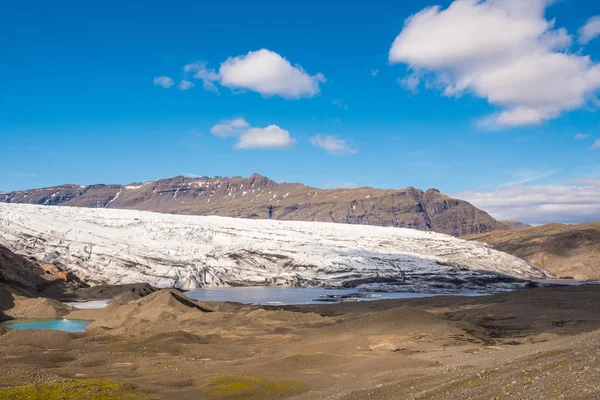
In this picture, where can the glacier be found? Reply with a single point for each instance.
(111, 246)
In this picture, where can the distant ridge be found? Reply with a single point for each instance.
(260, 197)
(515, 225)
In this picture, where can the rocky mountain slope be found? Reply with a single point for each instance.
(258, 197)
(31, 277)
(565, 250)
(104, 246)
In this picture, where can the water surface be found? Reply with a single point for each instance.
(290, 295)
(67, 325)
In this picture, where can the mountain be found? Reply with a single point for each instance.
(258, 197)
(565, 250)
(515, 225)
(104, 246)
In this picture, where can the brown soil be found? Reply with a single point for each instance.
(38, 307)
(534, 344)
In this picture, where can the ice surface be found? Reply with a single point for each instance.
(125, 246)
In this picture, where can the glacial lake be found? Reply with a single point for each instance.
(67, 325)
(290, 295)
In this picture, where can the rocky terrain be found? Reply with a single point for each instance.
(38, 286)
(568, 251)
(258, 197)
(30, 277)
(104, 246)
(533, 344)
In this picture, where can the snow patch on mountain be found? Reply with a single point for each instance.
(125, 246)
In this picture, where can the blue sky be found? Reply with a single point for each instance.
(78, 102)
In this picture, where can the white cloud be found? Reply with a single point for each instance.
(271, 137)
(269, 74)
(262, 71)
(502, 50)
(332, 144)
(207, 76)
(163, 81)
(230, 127)
(581, 136)
(185, 85)
(596, 144)
(576, 202)
(410, 83)
(590, 30)
(374, 72)
(526, 176)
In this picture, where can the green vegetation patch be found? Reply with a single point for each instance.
(250, 387)
(84, 389)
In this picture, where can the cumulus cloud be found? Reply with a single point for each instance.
(581, 136)
(590, 30)
(332, 144)
(502, 50)
(163, 81)
(410, 83)
(374, 72)
(269, 74)
(230, 127)
(263, 71)
(596, 144)
(200, 71)
(185, 85)
(576, 202)
(271, 137)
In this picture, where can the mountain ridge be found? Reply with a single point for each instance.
(258, 197)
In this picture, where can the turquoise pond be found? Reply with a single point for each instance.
(67, 325)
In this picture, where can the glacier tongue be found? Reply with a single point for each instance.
(187, 252)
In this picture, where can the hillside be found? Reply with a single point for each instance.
(565, 250)
(258, 197)
(104, 246)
